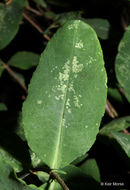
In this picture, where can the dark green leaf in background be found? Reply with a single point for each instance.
(101, 26)
(58, 3)
(24, 60)
(67, 96)
(42, 3)
(8, 182)
(122, 63)
(3, 107)
(115, 95)
(116, 125)
(76, 179)
(10, 17)
(123, 140)
(90, 168)
(4, 155)
(64, 17)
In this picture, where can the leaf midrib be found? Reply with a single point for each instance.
(54, 164)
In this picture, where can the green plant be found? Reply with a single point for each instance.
(46, 141)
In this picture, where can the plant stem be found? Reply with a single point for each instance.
(126, 132)
(32, 23)
(34, 11)
(60, 181)
(38, 28)
(110, 110)
(8, 2)
(12, 73)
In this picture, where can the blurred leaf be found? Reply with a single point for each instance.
(20, 77)
(10, 17)
(101, 26)
(42, 3)
(14, 163)
(19, 129)
(9, 141)
(64, 17)
(59, 3)
(122, 63)
(3, 107)
(24, 60)
(61, 110)
(123, 140)
(114, 94)
(43, 176)
(116, 125)
(76, 180)
(90, 168)
(8, 182)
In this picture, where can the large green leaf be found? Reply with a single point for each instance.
(122, 63)
(24, 60)
(67, 96)
(8, 183)
(123, 140)
(10, 17)
(116, 125)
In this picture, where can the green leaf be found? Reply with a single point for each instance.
(9, 183)
(79, 159)
(114, 94)
(43, 176)
(58, 3)
(42, 3)
(4, 155)
(24, 60)
(122, 63)
(64, 17)
(101, 26)
(19, 129)
(123, 140)
(67, 96)
(3, 107)
(90, 168)
(10, 17)
(12, 146)
(36, 162)
(116, 125)
(75, 179)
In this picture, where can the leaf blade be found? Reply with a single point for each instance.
(10, 17)
(122, 66)
(60, 105)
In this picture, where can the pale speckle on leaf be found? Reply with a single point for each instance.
(76, 68)
(39, 102)
(68, 106)
(77, 102)
(63, 78)
(79, 44)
